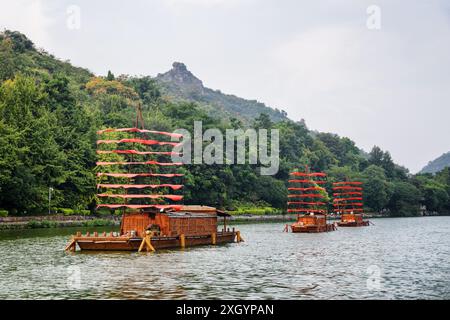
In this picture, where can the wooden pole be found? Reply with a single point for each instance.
(142, 245)
(71, 246)
(213, 238)
(147, 243)
(182, 241)
(238, 237)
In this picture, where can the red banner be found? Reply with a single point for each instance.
(347, 193)
(303, 174)
(306, 210)
(346, 199)
(164, 153)
(140, 186)
(104, 163)
(142, 196)
(347, 188)
(351, 210)
(170, 134)
(140, 141)
(134, 175)
(356, 204)
(347, 183)
(141, 206)
(307, 189)
(306, 181)
(306, 195)
(308, 203)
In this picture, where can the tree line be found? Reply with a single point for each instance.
(50, 112)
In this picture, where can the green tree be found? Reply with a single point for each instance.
(23, 109)
(376, 156)
(110, 76)
(405, 200)
(147, 89)
(6, 59)
(263, 122)
(377, 190)
(434, 194)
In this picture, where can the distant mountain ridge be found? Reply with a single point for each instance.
(437, 164)
(181, 84)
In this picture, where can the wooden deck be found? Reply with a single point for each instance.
(125, 243)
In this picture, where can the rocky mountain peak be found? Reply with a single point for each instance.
(181, 76)
(180, 83)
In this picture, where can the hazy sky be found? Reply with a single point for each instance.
(317, 60)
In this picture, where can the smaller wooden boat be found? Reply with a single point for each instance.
(348, 202)
(308, 198)
(312, 223)
(353, 220)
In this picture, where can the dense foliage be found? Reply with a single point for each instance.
(50, 110)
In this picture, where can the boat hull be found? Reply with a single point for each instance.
(353, 224)
(313, 228)
(132, 244)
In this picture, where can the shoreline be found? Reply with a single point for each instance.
(61, 221)
(57, 221)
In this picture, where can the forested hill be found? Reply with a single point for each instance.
(180, 83)
(50, 112)
(437, 164)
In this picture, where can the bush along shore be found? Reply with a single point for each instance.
(57, 221)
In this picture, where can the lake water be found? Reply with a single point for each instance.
(404, 258)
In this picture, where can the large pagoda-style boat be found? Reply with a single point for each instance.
(307, 197)
(348, 203)
(152, 216)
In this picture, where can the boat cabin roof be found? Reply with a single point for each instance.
(195, 210)
(204, 209)
(181, 214)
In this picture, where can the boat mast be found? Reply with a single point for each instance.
(305, 193)
(348, 196)
(130, 145)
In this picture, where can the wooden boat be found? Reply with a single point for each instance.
(348, 202)
(312, 223)
(307, 197)
(150, 231)
(156, 221)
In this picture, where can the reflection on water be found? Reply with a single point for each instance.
(405, 258)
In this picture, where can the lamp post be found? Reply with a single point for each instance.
(50, 190)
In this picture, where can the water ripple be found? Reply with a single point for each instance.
(411, 254)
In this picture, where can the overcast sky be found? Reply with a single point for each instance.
(318, 60)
